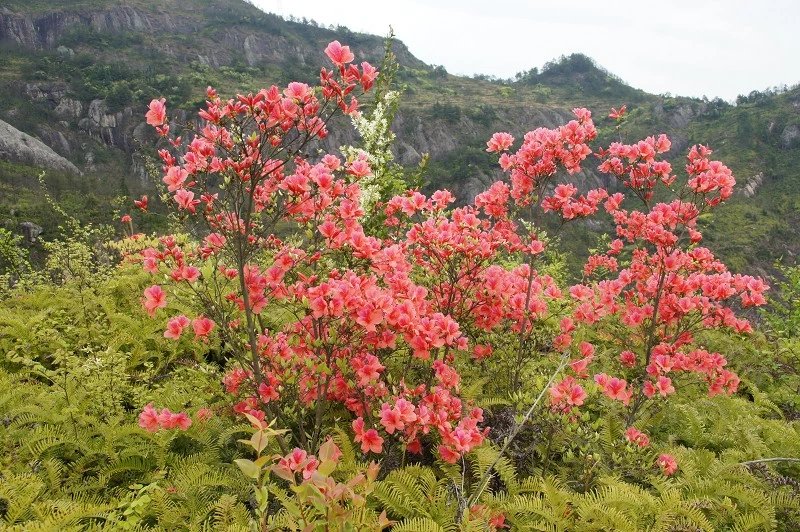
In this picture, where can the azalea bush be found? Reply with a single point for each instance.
(329, 325)
(388, 359)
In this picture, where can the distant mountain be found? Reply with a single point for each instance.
(578, 74)
(77, 76)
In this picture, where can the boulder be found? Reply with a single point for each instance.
(20, 147)
(30, 231)
(790, 137)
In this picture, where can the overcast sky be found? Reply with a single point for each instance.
(691, 48)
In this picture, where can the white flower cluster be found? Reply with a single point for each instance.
(377, 139)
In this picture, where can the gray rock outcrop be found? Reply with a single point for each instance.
(752, 185)
(790, 137)
(31, 231)
(20, 147)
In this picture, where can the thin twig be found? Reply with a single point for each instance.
(765, 460)
(485, 478)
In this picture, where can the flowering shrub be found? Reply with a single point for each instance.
(420, 364)
(302, 368)
(152, 420)
(327, 323)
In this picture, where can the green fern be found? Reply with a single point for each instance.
(421, 524)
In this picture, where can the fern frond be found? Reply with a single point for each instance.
(420, 524)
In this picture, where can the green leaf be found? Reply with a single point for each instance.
(327, 467)
(248, 467)
(262, 497)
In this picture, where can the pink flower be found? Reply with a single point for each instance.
(148, 419)
(627, 358)
(614, 387)
(126, 219)
(165, 419)
(369, 73)
(406, 410)
(448, 455)
(668, 464)
(171, 420)
(150, 265)
(175, 327)
(497, 522)
(637, 437)
(390, 419)
(414, 447)
(369, 440)
(579, 366)
(298, 461)
(175, 177)
(359, 168)
(157, 114)
(368, 368)
(190, 273)
(141, 204)
(269, 391)
(587, 349)
(482, 351)
(339, 54)
(566, 394)
(215, 241)
(576, 395)
(152, 420)
(562, 341)
(297, 91)
(616, 114)
(233, 380)
(181, 420)
(445, 374)
(499, 142)
(664, 386)
(202, 326)
(154, 298)
(185, 200)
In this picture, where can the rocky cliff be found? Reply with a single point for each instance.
(237, 30)
(20, 147)
(168, 36)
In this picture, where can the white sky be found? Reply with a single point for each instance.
(691, 48)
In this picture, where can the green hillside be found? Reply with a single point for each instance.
(113, 56)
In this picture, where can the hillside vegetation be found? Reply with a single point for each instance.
(260, 311)
(79, 74)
